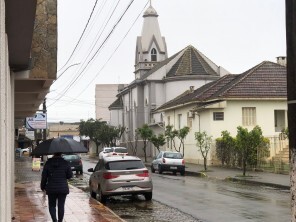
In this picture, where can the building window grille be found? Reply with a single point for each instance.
(249, 116)
(218, 116)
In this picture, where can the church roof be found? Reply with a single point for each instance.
(151, 31)
(267, 80)
(117, 104)
(191, 63)
(150, 11)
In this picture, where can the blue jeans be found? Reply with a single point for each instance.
(52, 202)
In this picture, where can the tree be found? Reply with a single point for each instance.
(226, 148)
(134, 147)
(182, 133)
(145, 132)
(204, 145)
(90, 128)
(249, 143)
(100, 132)
(171, 134)
(157, 141)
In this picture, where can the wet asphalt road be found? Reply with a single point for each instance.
(177, 198)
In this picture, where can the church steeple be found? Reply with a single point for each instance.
(151, 46)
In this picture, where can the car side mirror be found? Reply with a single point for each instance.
(90, 170)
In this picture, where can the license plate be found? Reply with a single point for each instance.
(173, 168)
(127, 188)
(72, 168)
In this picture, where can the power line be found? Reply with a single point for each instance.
(103, 43)
(92, 48)
(105, 40)
(85, 27)
(113, 51)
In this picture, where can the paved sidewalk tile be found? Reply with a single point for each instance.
(31, 204)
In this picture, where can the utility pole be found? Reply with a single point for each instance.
(44, 130)
(44, 111)
(291, 95)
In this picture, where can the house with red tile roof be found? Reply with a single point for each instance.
(255, 97)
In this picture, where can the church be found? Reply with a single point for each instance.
(159, 78)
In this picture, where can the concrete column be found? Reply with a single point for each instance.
(3, 182)
(12, 140)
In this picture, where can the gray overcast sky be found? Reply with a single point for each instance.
(234, 34)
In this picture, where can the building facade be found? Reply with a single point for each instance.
(158, 79)
(28, 42)
(255, 97)
(105, 95)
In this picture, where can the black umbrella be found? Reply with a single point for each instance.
(58, 145)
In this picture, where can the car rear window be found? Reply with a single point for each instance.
(107, 150)
(71, 157)
(120, 150)
(125, 165)
(173, 155)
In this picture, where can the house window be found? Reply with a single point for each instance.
(153, 55)
(179, 121)
(249, 116)
(218, 116)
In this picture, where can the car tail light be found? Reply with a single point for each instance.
(144, 174)
(163, 160)
(80, 162)
(108, 176)
(183, 162)
(114, 154)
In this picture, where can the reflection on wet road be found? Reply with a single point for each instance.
(211, 200)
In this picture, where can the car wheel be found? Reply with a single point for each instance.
(102, 198)
(182, 173)
(81, 172)
(148, 196)
(152, 169)
(159, 169)
(77, 172)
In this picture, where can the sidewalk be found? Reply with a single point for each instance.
(31, 203)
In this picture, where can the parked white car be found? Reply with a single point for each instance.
(168, 161)
(105, 152)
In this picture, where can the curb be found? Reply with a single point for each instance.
(252, 182)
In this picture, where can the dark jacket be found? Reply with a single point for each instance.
(55, 173)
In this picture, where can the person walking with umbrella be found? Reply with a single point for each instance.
(55, 174)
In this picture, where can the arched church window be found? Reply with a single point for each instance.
(153, 55)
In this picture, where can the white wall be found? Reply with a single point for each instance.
(6, 126)
(175, 88)
(232, 119)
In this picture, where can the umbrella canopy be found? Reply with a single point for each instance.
(58, 145)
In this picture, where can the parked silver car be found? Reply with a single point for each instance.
(120, 175)
(168, 161)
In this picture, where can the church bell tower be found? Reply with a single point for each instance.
(151, 46)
